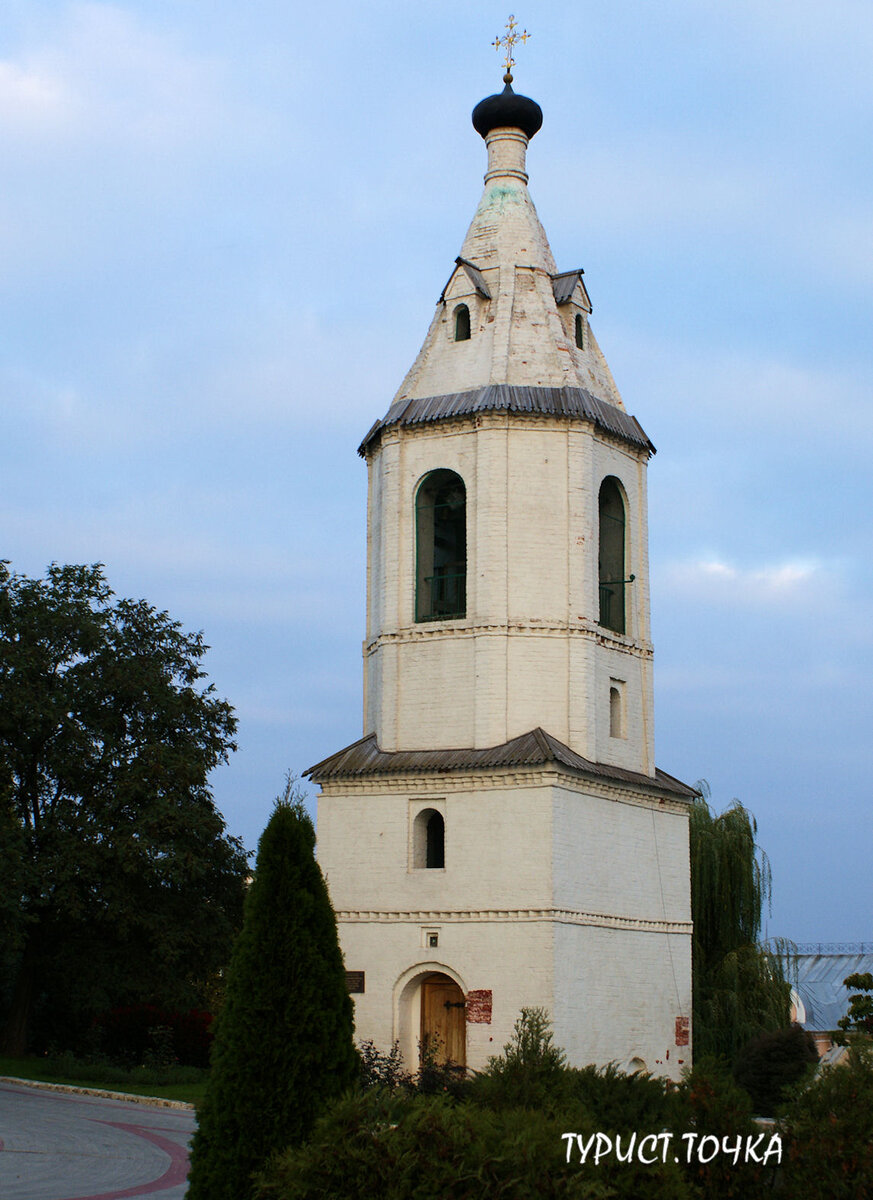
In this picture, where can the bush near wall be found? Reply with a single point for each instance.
(133, 1034)
(828, 1132)
(772, 1063)
(402, 1147)
(501, 1134)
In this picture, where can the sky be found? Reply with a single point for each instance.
(223, 229)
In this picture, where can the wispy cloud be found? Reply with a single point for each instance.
(713, 579)
(100, 72)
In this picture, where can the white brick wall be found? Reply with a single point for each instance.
(553, 893)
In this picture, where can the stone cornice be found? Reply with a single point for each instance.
(464, 628)
(559, 916)
(420, 785)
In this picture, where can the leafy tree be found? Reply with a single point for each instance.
(739, 989)
(283, 1043)
(772, 1062)
(859, 1019)
(125, 883)
(828, 1132)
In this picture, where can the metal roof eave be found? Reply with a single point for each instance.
(567, 402)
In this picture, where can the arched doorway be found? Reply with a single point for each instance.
(444, 1018)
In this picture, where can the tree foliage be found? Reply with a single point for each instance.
(283, 1043)
(126, 885)
(828, 1132)
(739, 989)
(773, 1062)
(859, 1018)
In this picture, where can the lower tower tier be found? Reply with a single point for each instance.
(469, 884)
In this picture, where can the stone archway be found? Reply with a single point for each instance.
(419, 1008)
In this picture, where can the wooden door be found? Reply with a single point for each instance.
(444, 1019)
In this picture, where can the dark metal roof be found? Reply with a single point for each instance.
(473, 274)
(507, 109)
(820, 984)
(564, 285)
(569, 402)
(530, 749)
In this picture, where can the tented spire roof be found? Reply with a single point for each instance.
(529, 323)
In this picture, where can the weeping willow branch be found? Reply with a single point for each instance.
(739, 985)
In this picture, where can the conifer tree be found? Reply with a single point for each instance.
(283, 1043)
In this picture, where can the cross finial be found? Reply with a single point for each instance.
(507, 45)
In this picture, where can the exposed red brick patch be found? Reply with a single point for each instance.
(479, 1007)
(683, 1031)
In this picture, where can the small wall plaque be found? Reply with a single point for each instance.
(355, 981)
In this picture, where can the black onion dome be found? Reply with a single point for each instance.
(507, 109)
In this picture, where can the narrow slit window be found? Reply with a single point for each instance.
(441, 547)
(580, 331)
(462, 323)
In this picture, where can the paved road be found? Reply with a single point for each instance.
(57, 1146)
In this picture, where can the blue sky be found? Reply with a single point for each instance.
(223, 228)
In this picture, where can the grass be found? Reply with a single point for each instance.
(137, 1082)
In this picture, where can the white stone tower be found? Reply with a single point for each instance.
(501, 837)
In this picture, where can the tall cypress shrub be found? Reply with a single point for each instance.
(283, 1043)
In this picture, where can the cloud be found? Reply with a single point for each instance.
(712, 579)
(100, 75)
(32, 100)
(107, 126)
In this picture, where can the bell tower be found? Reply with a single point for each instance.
(500, 837)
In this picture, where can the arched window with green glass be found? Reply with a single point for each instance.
(441, 547)
(611, 562)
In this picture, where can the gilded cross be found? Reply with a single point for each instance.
(507, 45)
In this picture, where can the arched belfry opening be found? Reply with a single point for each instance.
(441, 547)
(611, 557)
(462, 323)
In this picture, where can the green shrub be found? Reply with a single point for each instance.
(390, 1147)
(828, 1132)
(531, 1071)
(771, 1062)
(621, 1102)
(715, 1105)
(380, 1068)
(437, 1076)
